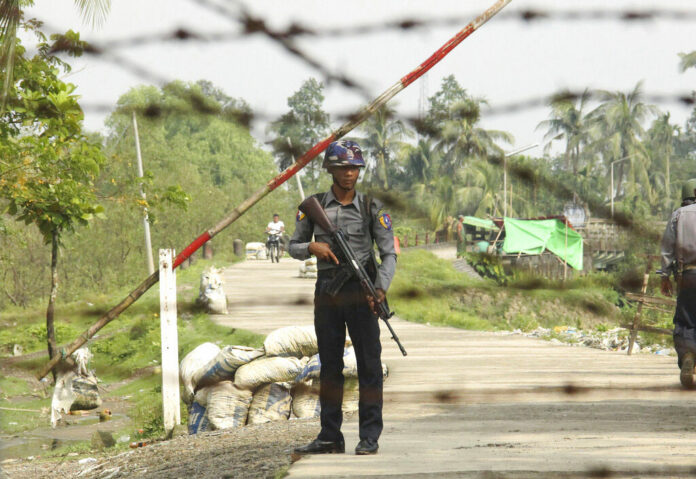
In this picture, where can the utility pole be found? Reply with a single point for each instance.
(507, 155)
(297, 177)
(146, 223)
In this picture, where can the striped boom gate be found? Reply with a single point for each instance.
(281, 178)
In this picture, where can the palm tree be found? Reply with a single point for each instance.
(660, 142)
(420, 161)
(463, 141)
(384, 135)
(688, 60)
(11, 15)
(619, 125)
(568, 121)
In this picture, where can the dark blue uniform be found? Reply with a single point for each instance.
(348, 308)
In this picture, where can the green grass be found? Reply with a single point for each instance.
(10, 386)
(17, 421)
(429, 290)
(126, 345)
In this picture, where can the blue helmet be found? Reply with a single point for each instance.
(343, 153)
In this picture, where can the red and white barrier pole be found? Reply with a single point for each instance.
(280, 179)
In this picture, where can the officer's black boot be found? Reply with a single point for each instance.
(687, 370)
(366, 447)
(322, 447)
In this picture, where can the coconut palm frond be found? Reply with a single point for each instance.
(94, 11)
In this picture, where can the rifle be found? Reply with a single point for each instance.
(316, 213)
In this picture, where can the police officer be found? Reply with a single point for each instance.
(364, 222)
(679, 258)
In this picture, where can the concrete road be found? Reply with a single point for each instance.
(475, 404)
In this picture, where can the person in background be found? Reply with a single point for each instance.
(678, 252)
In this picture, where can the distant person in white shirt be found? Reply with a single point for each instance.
(276, 226)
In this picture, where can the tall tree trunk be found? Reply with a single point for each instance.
(50, 330)
(383, 164)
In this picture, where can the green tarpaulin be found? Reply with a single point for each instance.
(480, 223)
(536, 236)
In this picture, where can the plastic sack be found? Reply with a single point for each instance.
(211, 293)
(73, 392)
(271, 402)
(297, 341)
(267, 370)
(192, 367)
(197, 418)
(313, 366)
(223, 366)
(254, 250)
(228, 405)
(305, 399)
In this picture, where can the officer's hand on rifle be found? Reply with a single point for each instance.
(322, 251)
(666, 287)
(371, 300)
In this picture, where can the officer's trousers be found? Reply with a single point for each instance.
(685, 317)
(331, 316)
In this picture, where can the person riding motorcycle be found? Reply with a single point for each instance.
(275, 230)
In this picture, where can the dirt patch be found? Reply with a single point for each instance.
(257, 451)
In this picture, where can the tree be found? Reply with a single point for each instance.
(568, 122)
(305, 124)
(384, 137)
(619, 126)
(688, 60)
(49, 165)
(660, 144)
(11, 17)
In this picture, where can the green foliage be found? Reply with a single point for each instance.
(488, 266)
(304, 125)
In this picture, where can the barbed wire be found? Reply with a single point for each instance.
(407, 24)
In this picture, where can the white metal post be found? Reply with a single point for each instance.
(146, 222)
(170, 341)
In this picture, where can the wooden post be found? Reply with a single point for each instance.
(416, 239)
(170, 341)
(639, 310)
(427, 238)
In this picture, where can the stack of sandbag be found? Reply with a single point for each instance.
(237, 385)
(308, 268)
(256, 250)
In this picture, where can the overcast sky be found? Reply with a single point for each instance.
(507, 60)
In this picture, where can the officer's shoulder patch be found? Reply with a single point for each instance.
(385, 221)
(300, 216)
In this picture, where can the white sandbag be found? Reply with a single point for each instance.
(350, 366)
(228, 405)
(311, 261)
(201, 396)
(197, 418)
(223, 366)
(271, 402)
(297, 341)
(267, 370)
(253, 249)
(192, 368)
(305, 399)
(82, 357)
(73, 392)
(211, 293)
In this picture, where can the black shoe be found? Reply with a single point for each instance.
(687, 371)
(322, 447)
(366, 447)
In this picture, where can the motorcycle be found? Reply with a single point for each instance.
(273, 247)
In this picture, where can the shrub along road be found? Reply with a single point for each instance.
(464, 403)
